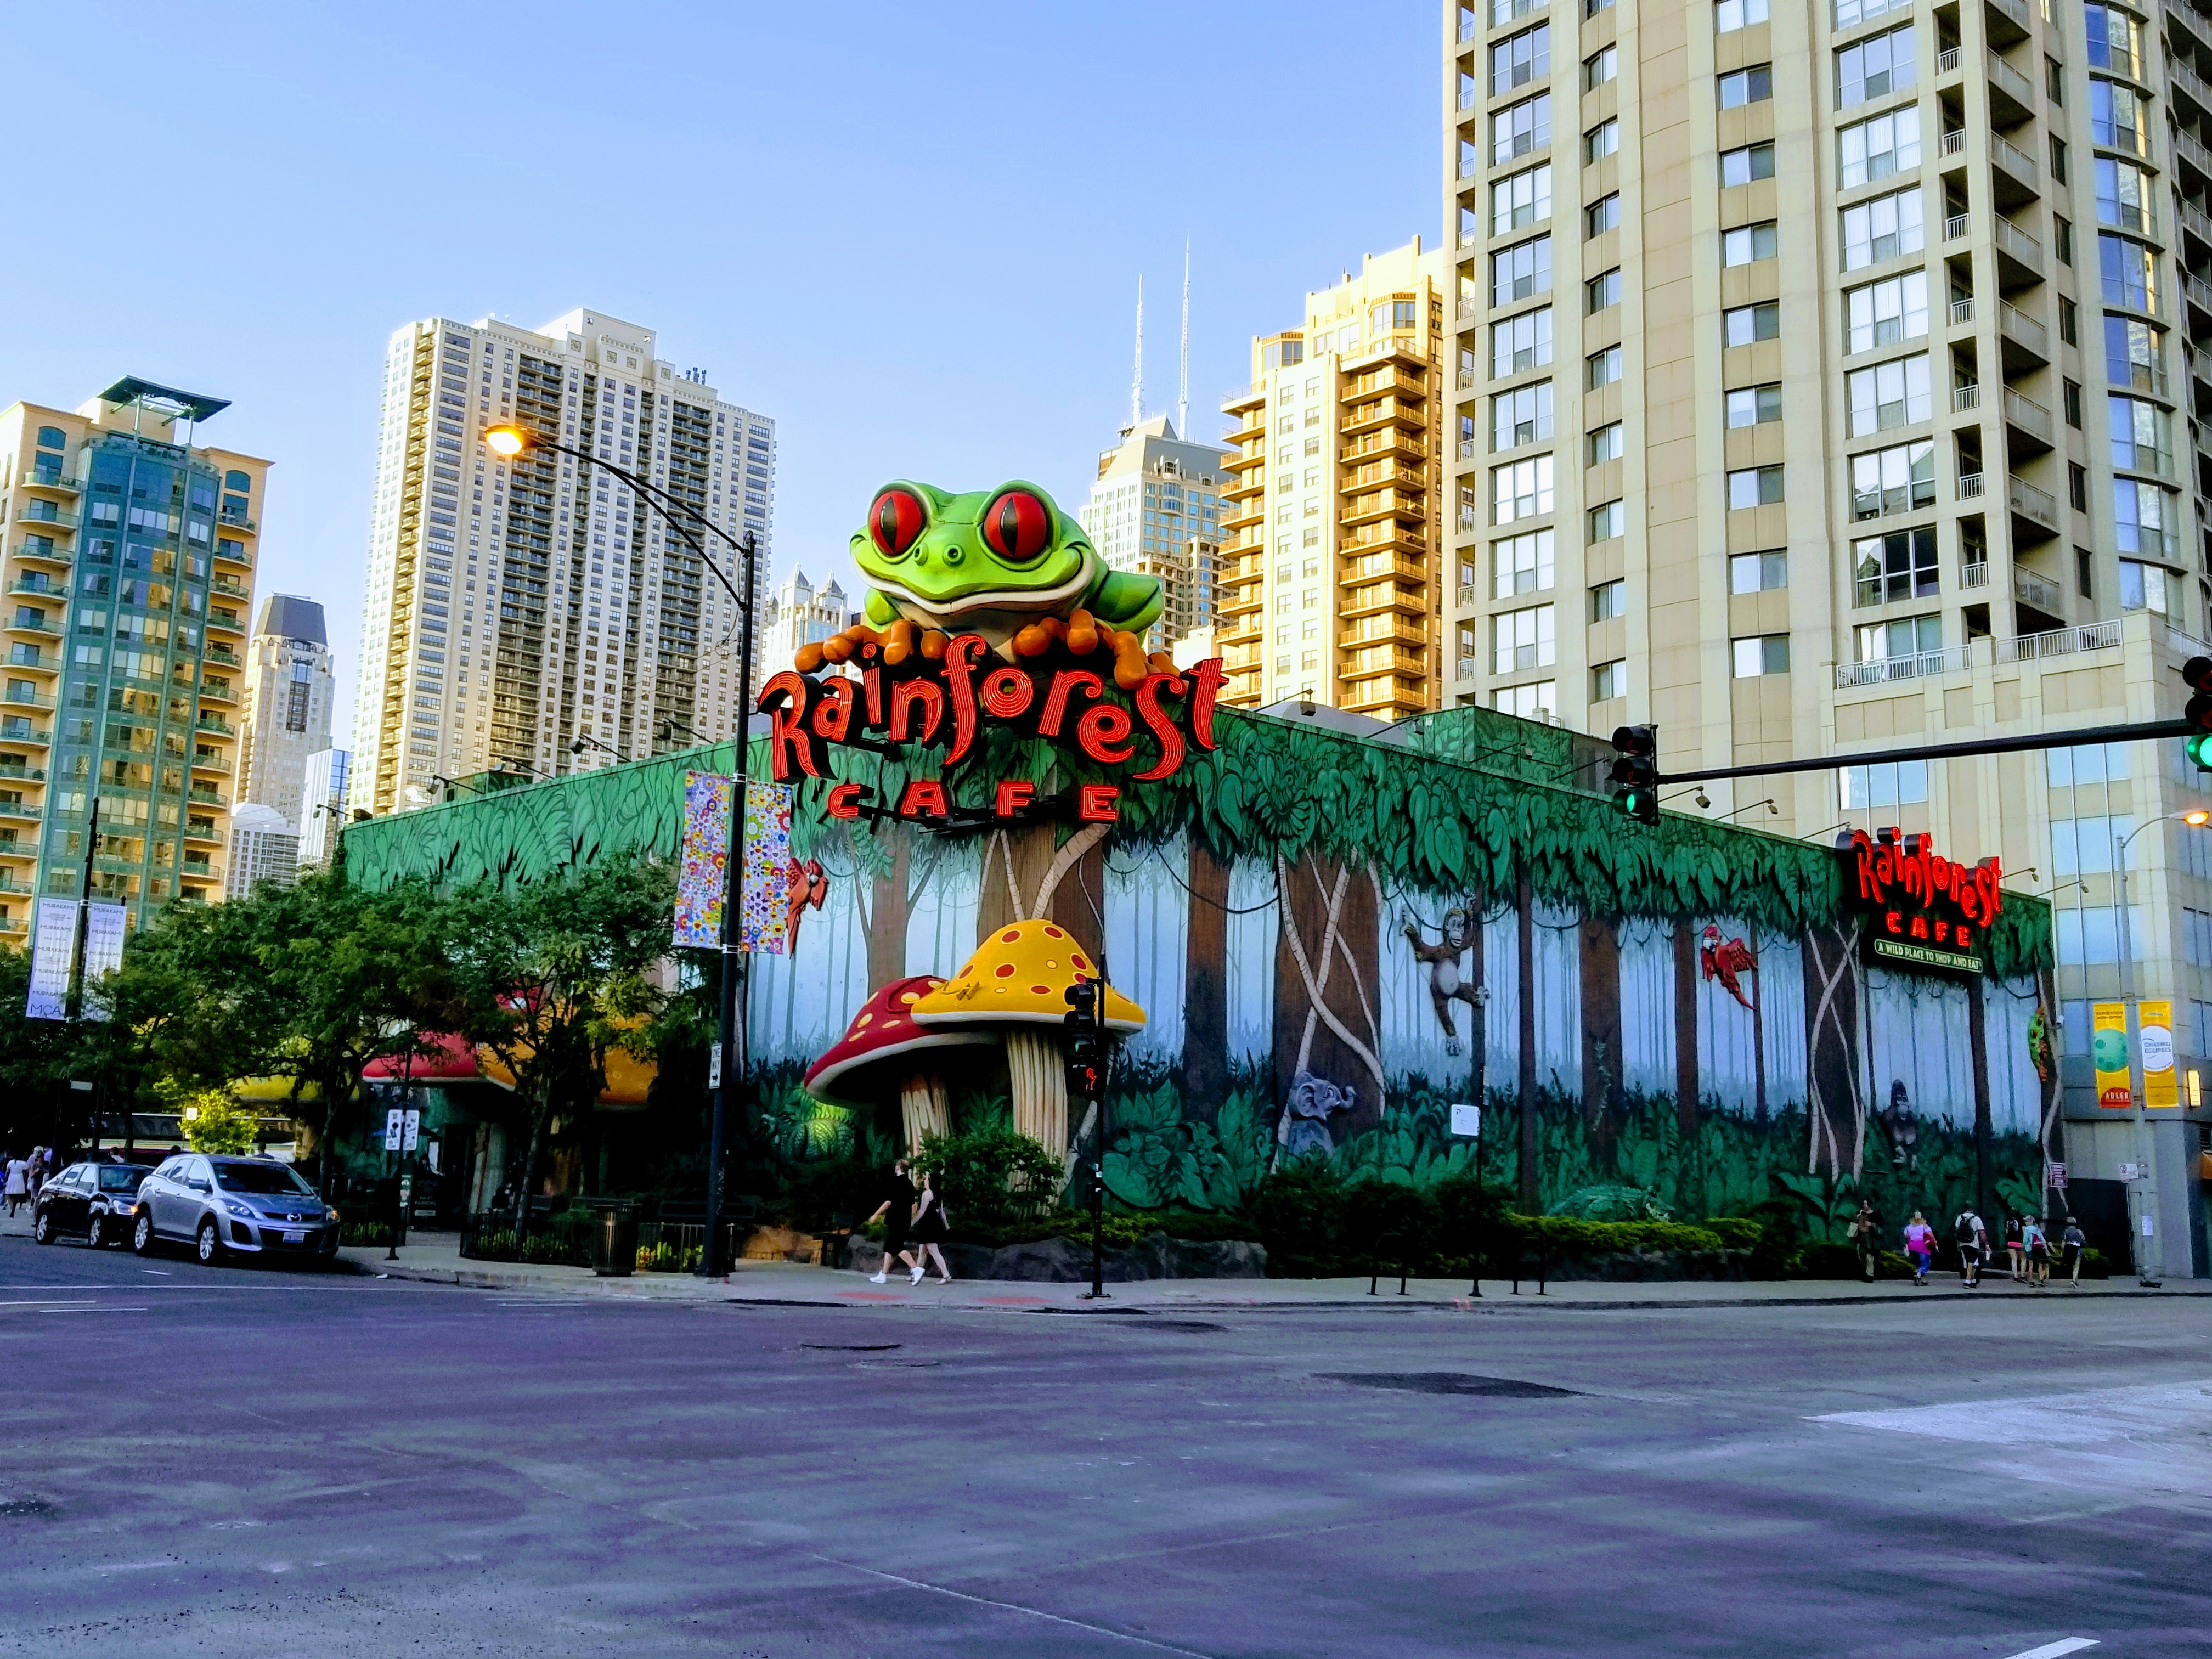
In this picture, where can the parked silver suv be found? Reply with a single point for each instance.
(225, 1204)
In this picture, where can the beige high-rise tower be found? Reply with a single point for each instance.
(1824, 379)
(1332, 585)
(539, 616)
(287, 705)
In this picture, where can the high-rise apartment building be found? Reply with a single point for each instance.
(1826, 381)
(265, 846)
(539, 615)
(798, 613)
(130, 556)
(288, 694)
(323, 804)
(1333, 585)
(1155, 496)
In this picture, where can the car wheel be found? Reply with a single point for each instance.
(209, 1243)
(42, 1227)
(142, 1233)
(95, 1233)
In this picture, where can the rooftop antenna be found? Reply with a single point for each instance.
(1137, 380)
(1183, 385)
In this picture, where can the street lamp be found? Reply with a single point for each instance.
(2150, 1249)
(508, 442)
(585, 739)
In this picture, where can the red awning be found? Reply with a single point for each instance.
(452, 1059)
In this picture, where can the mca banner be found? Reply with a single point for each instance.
(703, 875)
(764, 895)
(2108, 1053)
(2154, 1032)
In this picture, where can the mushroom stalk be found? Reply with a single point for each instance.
(1039, 1077)
(925, 1109)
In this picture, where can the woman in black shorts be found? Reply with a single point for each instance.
(929, 1231)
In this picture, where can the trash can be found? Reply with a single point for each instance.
(616, 1256)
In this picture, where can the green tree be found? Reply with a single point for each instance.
(214, 1121)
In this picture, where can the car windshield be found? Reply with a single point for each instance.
(121, 1178)
(259, 1178)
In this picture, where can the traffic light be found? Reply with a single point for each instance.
(2198, 670)
(1636, 771)
(1086, 1044)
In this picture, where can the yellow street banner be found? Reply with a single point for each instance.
(2154, 1033)
(2108, 1052)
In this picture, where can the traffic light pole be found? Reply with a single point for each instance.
(1086, 1081)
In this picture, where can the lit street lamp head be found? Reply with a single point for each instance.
(2197, 820)
(508, 442)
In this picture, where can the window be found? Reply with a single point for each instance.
(1606, 444)
(1898, 566)
(2144, 517)
(1609, 680)
(1520, 343)
(1520, 128)
(1753, 85)
(2118, 118)
(1520, 416)
(1748, 243)
(2087, 763)
(2143, 586)
(1601, 367)
(1600, 140)
(1522, 640)
(1730, 15)
(1886, 313)
(1520, 58)
(2057, 160)
(1601, 67)
(1740, 166)
(2083, 570)
(2141, 434)
(1592, 8)
(1749, 322)
(2077, 486)
(2115, 39)
(2054, 82)
(2062, 238)
(2129, 272)
(51, 437)
(1754, 486)
(1908, 637)
(1849, 13)
(1875, 67)
(1502, 12)
(1888, 395)
(1891, 783)
(1523, 199)
(1601, 216)
(2125, 195)
(1520, 490)
(1754, 405)
(1762, 654)
(2069, 321)
(1601, 291)
(1878, 146)
(2134, 354)
(1883, 228)
(1519, 271)
(1898, 480)
(1608, 521)
(1521, 564)
(1533, 701)
(1757, 572)
(1608, 601)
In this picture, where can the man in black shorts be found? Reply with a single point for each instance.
(1972, 1240)
(897, 1212)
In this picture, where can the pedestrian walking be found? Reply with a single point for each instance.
(896, 1212)
(1920, 1246)
(2013, 1247)
(930, 1221)
(19, 1182)
(2074, 1245)
(1972, 1240)
(2036, 1245)
(1866, 1238)
(37, 1174)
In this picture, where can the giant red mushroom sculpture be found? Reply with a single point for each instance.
(885, 1054)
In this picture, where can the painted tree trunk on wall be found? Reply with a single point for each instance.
(1758, 1031)
(1015, 861)
(1205, 985)
(1327, 981)
(2052, 1137)
(1978, 1044)
(1837, 1111)
(1077, 902)
(1601, 1040)
(889, 909)
(1532, 1185)
(1686, 1083)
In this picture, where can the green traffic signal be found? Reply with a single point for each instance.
(2197, 672)
(2199, 750)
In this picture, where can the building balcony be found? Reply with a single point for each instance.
(195, 830)
(23, 774)
(1243, 519)
(1960, 660)
(1973, 572)
(1966, 397)
(218, 764)
(205, 797)
(238, 522)
(1387, 699)
(25, 623)
(2034, 510)
(1245, 488)
(1970, 487)
(2020, 255)
(1887, 671)
(2015, 179)
(1243, 461)
(1384, 412)
(21, 811)
(38, 547)
(2059, 642)
(31, 510)
(2024, 342)
(229, 587)
(47, 479)
(2028, 419)
(2190, 151)
(15, 698)
(1394, 443)
(216, 724)
(14, 729)
(225, 621)
(230, 552)
(2006, 21)
(2199, 295)
(38, 584)
(1379, 506)
(1382, 597)
(2012, 94)
(1238, 436)
(1244, 605)
(211, 693)
(1373, 567)
(2040, 592)
(1384, 629)
(1252, 635)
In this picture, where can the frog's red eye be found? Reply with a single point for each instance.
(1017, 525)
(897, 521)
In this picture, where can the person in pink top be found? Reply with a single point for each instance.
(1920, 1246)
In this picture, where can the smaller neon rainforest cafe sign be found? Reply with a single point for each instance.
(1926, 910)
(953, 699)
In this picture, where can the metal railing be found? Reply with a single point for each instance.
(1947, 60)
(2016, 323)
(2039, 590)
(41, 478)
(1970, 486)
(2027, 414)
(1955, 142)
(1975, 575)
(2011, 239)
(1966, 396)
(1955, 227)
(2030, 501)
(2198, 290)
(1962, 311)
(1883, 671)
(2014, 160)
(2003, 75)
(2059, 642)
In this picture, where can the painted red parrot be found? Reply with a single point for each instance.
(1723, 960)
(804, 887)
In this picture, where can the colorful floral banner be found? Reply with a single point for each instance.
(702, 879)
(762, 923)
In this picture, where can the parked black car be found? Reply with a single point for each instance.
(95, 1199)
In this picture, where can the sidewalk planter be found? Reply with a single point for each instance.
(615, 1251)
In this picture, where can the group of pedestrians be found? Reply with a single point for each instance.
(25, 1175)
(915, 1225)
(2027, 1247)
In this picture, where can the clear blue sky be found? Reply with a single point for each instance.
(911, 234)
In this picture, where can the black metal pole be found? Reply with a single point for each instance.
(731, 1039)
(1097, 1232)
(1940, 751)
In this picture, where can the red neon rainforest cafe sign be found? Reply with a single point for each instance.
(951, 701)
(1925, 909)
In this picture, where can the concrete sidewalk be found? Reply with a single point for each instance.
(435, 1258)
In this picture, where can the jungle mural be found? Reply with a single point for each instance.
(1322, 940)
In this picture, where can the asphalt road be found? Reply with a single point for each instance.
(236, 1461)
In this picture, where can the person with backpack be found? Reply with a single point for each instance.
(2074, 1245)
(1920, 1246)
(1972, 1239)
(2037, 1247)
(1866, 1238)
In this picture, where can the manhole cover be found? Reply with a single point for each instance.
(26, 1508)
(852, 1347)
(1498, 1388)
